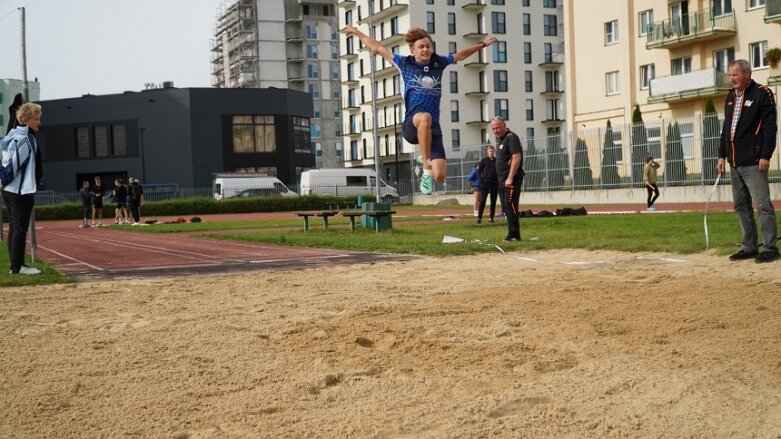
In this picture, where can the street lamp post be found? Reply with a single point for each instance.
(141, 151)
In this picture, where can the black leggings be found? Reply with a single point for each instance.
(653, 193)
(486, 189)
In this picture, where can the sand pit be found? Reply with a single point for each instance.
(532, 344)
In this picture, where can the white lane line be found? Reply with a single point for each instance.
(527, 259)
(71, 258)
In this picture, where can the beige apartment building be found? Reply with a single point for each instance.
(666, 56)
(519, 78)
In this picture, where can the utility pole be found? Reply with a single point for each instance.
(377, 158)
(25, 91)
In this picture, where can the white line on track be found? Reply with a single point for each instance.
(94, 267)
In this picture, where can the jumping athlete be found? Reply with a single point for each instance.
(421, 73)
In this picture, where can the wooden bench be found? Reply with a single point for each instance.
(325, 214)
(376, 214)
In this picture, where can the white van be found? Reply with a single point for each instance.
(345, 182)
(247, 185)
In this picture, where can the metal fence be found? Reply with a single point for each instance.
(612, 157)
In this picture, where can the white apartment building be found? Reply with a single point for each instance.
(519, 78)
(666, 56)
(285, 44)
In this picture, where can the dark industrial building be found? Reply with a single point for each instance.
(176, 136)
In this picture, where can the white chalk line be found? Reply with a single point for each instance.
(70, 258)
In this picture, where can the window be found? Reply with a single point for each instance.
(312, 71)
(455, 141)
(118, 139)
(618, 142)
(453, 82)
(527, 52)
(527, 24)
(612, 83)
(500, 52)
(311, 51)
(547, 51)
(314, 130)
(646, 22)
(451, 2)
(348, 17)
(500, 80)
(350, 45)
(316, 108)
(721, 7)
(454, 111)
(82, 142)
(101, 141)
(752, 4)
(451, 23)
(611, 32)
(552, 80)
(525, 3)
(647, 73)
(253, 134)
(687, 139)
(481, 81)
(548, 3)
(757, 54)
(499, 2)
(452, 47)
(679, 66)
(502, 108)
(394, 26)
(655, 142)
(311, 32)
(314, 90)
(529, 109)
(529, 134)
(353, 128)
(498, 22)
(722, 58)
(318, 149)
(351, 72)
(527, 81)
(430, 22)
(550, 27)
(353, 150)
(429, 2)
(552, 109)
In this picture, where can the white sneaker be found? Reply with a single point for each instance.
(136, 224)
(29, 270)
(651, 209)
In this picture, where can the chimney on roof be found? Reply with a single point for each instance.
(168, 84)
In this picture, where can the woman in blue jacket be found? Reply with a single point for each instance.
(22, 158)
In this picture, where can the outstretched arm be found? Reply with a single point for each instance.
(471, 50)
(370, 42)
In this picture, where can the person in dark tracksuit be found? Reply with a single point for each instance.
(748, 139)
(86, 203)
(509, 170)
(489, 183)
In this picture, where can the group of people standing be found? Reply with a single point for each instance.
(129, 200)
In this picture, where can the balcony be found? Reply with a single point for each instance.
(552, 120)
(773, 11)
(394, 9)
(695, 27)
(692, 85)
(346, 3)
(349, 56)
(477, 122)
(381, 73)
(552, 60)
(478, 35)
(477, 93)
(474, 5)
(478, 64)
(552, 93)
(392, 99)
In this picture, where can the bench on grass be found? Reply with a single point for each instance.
(325, 214)
(376, 214)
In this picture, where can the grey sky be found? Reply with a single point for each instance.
(108, 46)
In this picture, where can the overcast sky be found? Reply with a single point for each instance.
(100, 47)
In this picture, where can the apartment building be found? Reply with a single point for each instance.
(519, 78)
(289, 44)
(666, 56)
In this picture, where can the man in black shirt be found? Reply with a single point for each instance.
(509, 169)
(489, 183)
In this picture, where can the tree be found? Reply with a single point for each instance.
(533, 168)
(711, 137)
(557, 165)
(584, 178)
(608, 176)
(674, 164)
(639, 147)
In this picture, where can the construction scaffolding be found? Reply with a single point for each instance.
(235, 46)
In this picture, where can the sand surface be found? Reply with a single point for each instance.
(534, 344)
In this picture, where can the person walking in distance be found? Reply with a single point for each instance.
(489, 183)
(748, 139)
(22, 158)
(649, 178)
(86, 202)
(421, 74)
(135, 200)
(509, 170)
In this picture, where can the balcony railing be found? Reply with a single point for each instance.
(694, 27)
(773, 11)
(707, 82)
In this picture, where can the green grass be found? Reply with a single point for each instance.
(680, 232)
(48, 274)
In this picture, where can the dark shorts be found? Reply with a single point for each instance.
(120, 205)
(97, 203)
(410, 134)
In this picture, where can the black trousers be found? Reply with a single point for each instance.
(485, 189)
(653, 193)
(20, 209)
(134, 212)
(510, 197)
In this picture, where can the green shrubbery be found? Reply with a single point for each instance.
(203, 206)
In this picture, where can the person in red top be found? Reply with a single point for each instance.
(748, 139)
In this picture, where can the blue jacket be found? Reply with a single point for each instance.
(21, 140)
(474, 178)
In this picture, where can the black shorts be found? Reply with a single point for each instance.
(410, 134)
